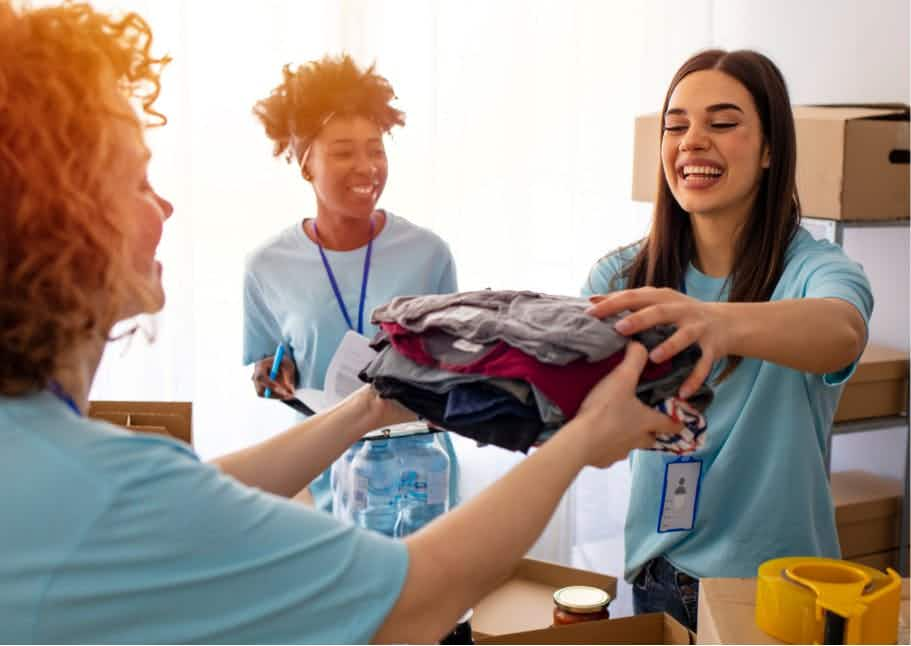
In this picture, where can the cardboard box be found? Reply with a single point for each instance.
(852, 161)
(878, 387)
(525, 602)
(879, 560)
(727, 613)
(167, 418)
(867, 512)
(651, 628)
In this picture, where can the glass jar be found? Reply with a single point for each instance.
(578, 603)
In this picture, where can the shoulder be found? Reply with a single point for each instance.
(807, 256)
(274, 249)
(404, 231)
(604, 276)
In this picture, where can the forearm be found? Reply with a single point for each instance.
(817, 335)
(458, 559)
(287, 463)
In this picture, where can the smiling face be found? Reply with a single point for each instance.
(347, 166)
(712, 149)
(149, 211)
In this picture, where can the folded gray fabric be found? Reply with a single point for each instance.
(553, 329)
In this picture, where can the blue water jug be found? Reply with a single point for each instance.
(423, 482)
(341, 479)
(374, 487)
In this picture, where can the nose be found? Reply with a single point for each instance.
(694, 139)
(166, 207)
(364, 164)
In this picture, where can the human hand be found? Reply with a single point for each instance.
(282, 386)
(612, 421)
(381, 412)
(696, 322)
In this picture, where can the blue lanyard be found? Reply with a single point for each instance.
(57, 390)
(338, 294)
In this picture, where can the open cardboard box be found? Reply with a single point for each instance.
(651, 628)
(525, 601)
(166, 418)
(852, 161)
(878, 387)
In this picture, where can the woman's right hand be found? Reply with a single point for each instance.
(282, 386)
(612, 421)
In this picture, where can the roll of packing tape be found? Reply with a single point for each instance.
(826, 601)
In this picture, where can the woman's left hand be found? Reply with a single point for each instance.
(696, 322)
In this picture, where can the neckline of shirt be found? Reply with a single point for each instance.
(301, 235)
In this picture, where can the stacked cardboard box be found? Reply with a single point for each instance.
(852, 161)
(868, 517)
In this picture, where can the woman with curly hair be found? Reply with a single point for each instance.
(781, 319)
(322, 276)
(109, 536)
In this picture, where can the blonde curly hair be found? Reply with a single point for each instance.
(67, 77)
(299, 106)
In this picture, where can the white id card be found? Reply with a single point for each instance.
(680, 495)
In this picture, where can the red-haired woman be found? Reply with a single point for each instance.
(109, 536)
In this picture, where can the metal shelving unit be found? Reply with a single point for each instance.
(834, 231)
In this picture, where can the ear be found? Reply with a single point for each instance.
(766, 159)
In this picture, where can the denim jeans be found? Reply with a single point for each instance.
(660, 587)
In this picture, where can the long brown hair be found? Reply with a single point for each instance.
(763, 241)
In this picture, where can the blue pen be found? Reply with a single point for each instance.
(276, 363)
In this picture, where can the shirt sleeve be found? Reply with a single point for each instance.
(448, 279)
(833, 275)
(186, 554)
(262, 333)
(601, 278)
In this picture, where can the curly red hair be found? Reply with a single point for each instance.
(299, 106)
(67, 77)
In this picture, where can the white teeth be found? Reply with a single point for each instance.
(701, 170)
(362, 190)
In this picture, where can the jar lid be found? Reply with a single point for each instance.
(581, 598)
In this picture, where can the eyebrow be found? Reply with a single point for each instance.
(715, 107)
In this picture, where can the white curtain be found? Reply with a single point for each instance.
(517, 151)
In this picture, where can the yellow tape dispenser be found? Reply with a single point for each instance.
(808, 600)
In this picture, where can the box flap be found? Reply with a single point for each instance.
(843, 112)
(651, 628)
(860, 495)
(176, 417)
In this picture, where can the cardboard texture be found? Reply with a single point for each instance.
(652, 628)
(852, 161)
(878, 387)
(525, 601)
(166, 418)
(867, 512)
(879, 560)
(727, 613)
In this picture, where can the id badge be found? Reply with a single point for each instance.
(680, 495)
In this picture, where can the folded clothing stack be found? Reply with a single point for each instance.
(509, 368)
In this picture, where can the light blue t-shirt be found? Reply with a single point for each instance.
(288, 297)
(110, 536)
(764, 491)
